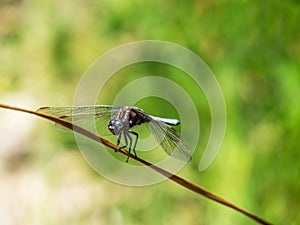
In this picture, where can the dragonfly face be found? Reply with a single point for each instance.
(115, 126)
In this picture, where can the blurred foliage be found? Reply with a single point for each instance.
(253, 49)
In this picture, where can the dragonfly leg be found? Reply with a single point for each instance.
(126, 135)
(125, 139)
(119, 140)
(136, 139)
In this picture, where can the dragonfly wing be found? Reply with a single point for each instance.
(85, 116)
(170, 140)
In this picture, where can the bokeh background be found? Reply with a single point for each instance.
(253, 49)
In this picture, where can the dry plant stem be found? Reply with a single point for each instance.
(173, 177)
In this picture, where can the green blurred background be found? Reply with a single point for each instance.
(253, 49)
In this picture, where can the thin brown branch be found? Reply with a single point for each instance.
(173, 177)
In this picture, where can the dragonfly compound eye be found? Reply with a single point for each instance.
(115, 126)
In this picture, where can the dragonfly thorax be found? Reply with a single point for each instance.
(115, 126)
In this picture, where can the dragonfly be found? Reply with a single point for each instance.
(119, 121)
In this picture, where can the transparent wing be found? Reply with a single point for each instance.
(85, 116)
(170, 140)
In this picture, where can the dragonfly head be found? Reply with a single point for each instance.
(115, 126)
